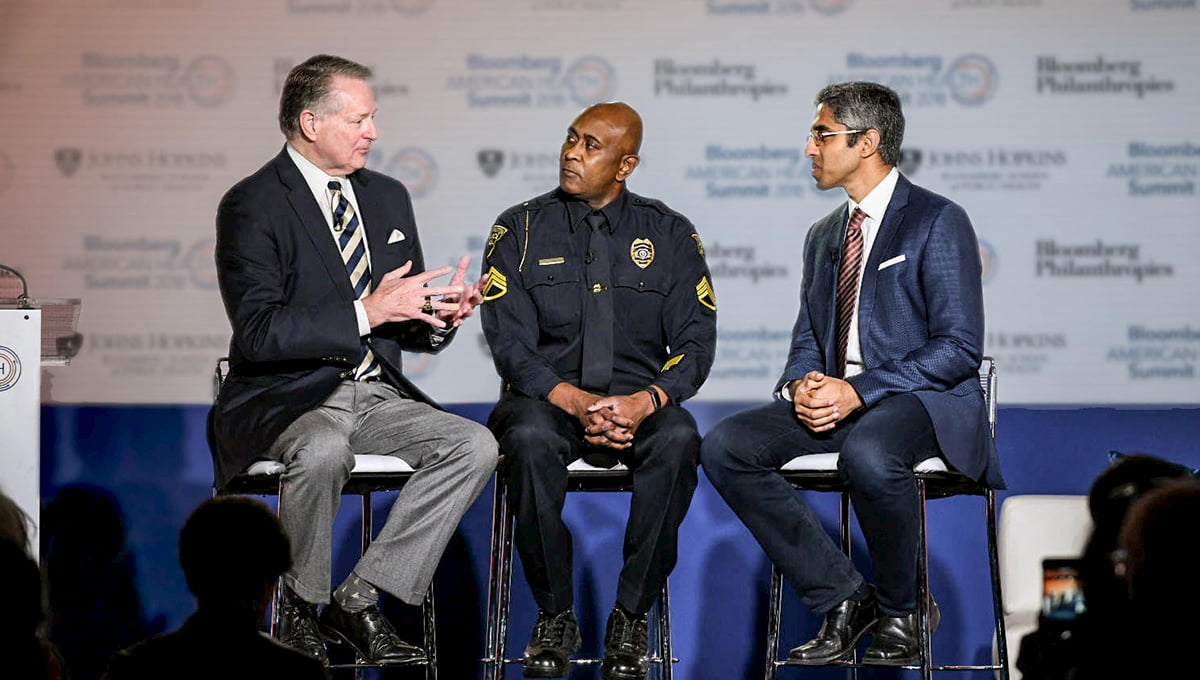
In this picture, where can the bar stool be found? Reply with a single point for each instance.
(581, 477)
(370, 473)
(818, 472)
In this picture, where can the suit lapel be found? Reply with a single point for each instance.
(893, 218)
(833, 246)
(309, 213)
(376, 222)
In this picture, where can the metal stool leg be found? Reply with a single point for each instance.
(500, 583)
(429, 623)
(774, 615)
(997, 599)
(926, 655)
(665, 650)
(847, 544)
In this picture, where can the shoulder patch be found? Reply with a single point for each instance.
(497, 285)
(497, 233)
(704, 294)
(699, 243)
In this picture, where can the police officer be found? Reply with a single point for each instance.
(601, 319)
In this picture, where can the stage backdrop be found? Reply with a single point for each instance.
(1066, 128)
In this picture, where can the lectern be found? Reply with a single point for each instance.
(32, 335)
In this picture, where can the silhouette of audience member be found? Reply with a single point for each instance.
(91, 580)
(232, 550)
(14, 523)
(1098, 644)
(24, 650)
(1157, 557)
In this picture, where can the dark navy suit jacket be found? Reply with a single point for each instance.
(291, 307)
(920, 319)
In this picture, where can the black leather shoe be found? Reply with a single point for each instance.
(555, 638)
(625, 647)
(844, 626)
(896, 641)
(298, 626)
(368, 633)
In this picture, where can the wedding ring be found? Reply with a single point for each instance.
(427, 307)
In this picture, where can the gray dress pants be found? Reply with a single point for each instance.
(453, 458)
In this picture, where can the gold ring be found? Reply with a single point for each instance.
(427, 307)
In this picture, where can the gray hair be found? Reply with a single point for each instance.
(307, 87)
(867, 106)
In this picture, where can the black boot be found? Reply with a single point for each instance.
(555, 638)
(625, 647)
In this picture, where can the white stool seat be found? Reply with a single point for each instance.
(827, 462)
(363, 463)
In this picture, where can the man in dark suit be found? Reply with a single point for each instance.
(883, 368)
(321, 272)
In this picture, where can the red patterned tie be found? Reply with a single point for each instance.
(847, 285)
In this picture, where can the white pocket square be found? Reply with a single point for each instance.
(396, 236)
(887, 263)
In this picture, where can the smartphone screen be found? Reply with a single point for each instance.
(1062, 597)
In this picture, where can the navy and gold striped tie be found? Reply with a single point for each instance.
(353, 247)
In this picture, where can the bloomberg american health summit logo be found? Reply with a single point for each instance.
(413, 166)
(524, 81)
(10, 368)
(926, 80)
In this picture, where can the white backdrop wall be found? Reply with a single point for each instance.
(1068, 129)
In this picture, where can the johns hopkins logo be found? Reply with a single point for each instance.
(590, 79)
(972, 79)
(68, 160)
(412, 165)
(910, 161)
(10, 368)
(490, 161)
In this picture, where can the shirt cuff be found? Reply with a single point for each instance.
(364, 324)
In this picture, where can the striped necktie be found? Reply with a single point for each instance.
(353, 247)
(847, 285)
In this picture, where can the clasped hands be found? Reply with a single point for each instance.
(821, 401)
(404, 298)
(608, 422)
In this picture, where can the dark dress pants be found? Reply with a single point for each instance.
(538, 441)
(879, 447)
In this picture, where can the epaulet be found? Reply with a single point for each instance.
(532, 205)
(653, 203)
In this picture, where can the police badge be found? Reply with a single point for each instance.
(642, 252)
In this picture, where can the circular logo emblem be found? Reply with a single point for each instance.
(200, 264)
(830, 6)
(10, 368)
(6, 172)
(412, 7)
(590, 80)
(209, 81)
(414, 167)
(987, 259)
(972, 79)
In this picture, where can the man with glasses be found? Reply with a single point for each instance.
(883, 369)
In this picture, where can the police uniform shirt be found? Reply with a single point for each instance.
(664, 310)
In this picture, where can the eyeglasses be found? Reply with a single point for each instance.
(818, 138)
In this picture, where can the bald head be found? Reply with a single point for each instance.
(600, 151)
(620, 116)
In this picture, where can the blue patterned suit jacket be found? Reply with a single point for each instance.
(920, 319)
